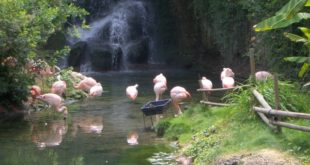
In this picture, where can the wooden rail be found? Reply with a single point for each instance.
(292, 126)
(213, 103)
(272, 123)
(282, 113)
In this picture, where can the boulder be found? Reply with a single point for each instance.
(76, 55)
(138, 51)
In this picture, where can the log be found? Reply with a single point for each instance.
(262, 101)
(213, 103)
(292, 126)
(282, 113)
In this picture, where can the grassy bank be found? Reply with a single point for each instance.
(209, 133)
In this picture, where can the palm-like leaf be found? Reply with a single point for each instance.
(291, 8)
(296, 59)
(306, 31)
(286, 16)
(295, 38)
(303, 70)
(279, 21)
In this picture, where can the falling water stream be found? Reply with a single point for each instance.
(96, 129)
(124, 28)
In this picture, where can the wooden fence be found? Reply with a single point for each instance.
(272, 117)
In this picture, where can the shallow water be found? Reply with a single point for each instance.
(96, 129)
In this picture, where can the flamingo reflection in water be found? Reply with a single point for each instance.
(48, 134)
(88, 124)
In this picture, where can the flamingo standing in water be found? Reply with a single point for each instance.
(55, 101)
(132, 92)
(86, 84)
(178, 94)
(96, 90)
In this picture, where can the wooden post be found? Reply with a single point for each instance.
(252, 64)
(276, 99)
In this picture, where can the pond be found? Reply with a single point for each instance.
(97, 128)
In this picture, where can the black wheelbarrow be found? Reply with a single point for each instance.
(154, 108)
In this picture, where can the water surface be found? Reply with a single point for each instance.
(96, 130)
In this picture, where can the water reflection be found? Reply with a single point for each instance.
(132, 138)
(97, 128)
(48, 134)
(87, 124)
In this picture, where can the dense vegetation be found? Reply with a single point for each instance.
(26, 25)
(221, 32)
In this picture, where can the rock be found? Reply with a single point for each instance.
(138, 51)
(77, 54)
(105, 57)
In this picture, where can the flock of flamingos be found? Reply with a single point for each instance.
(94, 89)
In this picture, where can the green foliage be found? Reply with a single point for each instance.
(286, 16)
(71, 92)
(226, 25)
(25, 27)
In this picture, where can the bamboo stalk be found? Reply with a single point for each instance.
(262, 101)
(214, 103)
(282, 113)
(292, 126)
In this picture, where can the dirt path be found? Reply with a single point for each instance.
(262, 157)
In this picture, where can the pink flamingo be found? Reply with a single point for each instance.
(227, 72)
(262, 75)
(160, 78)
(206, 83)
(96, 90)
(159, 89)
(55, 101)
(86, 84)
(132, 92)
(59, 87)
(178, 94)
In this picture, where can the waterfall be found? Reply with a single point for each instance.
(121, 34)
